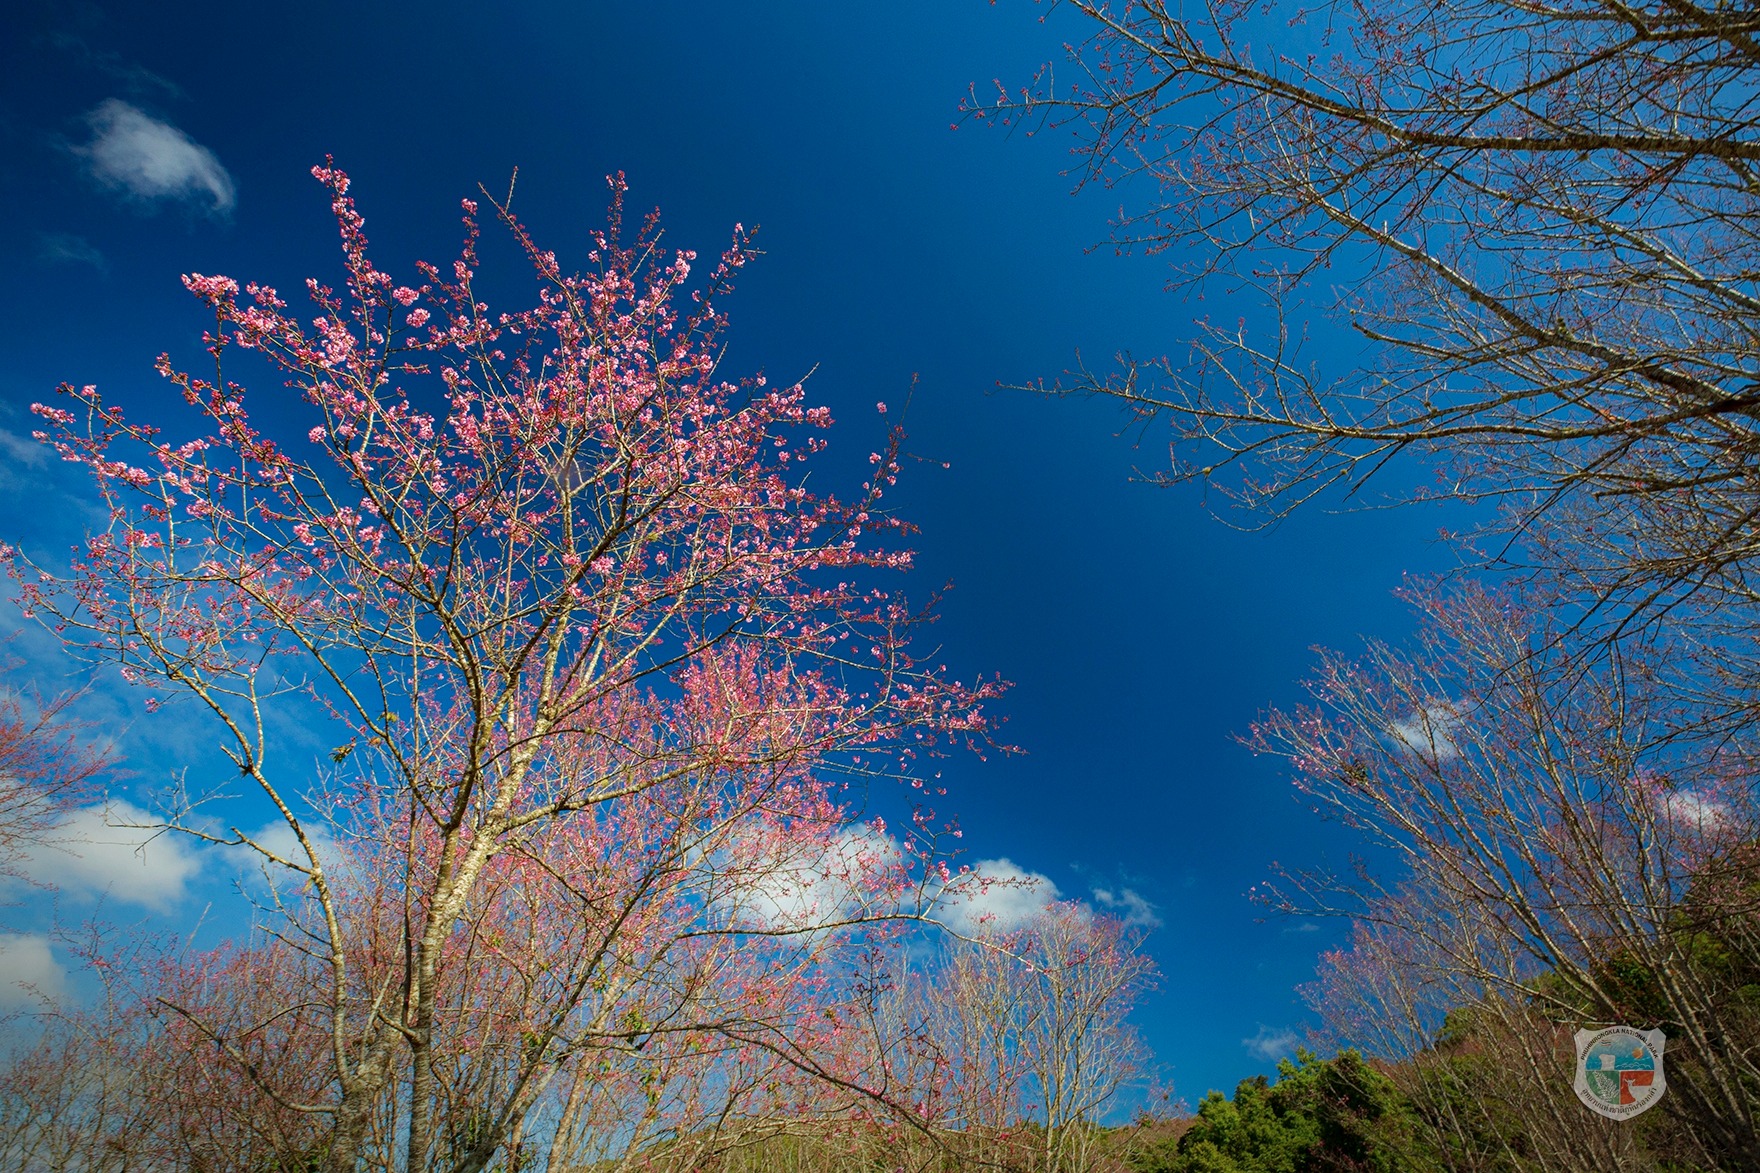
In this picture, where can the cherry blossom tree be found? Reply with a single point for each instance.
(133, 1079)
(73, 1100)
(599, 668)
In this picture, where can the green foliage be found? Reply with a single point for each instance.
(1322, 1115)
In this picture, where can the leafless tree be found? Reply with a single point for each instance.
(1541, 218)
(1553, 865)
(1488, 1071)
(1540, 221)
(1034, 1023)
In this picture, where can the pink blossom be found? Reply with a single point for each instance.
(548, 739)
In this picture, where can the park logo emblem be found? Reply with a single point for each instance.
(1619, 1070)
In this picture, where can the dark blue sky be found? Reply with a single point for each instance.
(1141, 632)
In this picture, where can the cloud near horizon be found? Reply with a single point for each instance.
(153, 161)
(1271, 1043)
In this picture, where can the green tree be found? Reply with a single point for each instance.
(1321, 1115)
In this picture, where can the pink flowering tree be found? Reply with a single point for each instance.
(598, 669)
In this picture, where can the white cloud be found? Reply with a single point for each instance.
(278, 837)
(1269, 1043)
(793, 885)
(1694, 810)
(1429, 732)
(29, 972)
(114, 850)
(996, 896)
(151, 160)
(1130, 906)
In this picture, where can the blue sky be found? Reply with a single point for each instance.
(1141, 633)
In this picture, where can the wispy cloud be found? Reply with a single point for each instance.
(152, 161)
(114, 851)
(29, 973)
(1271, 1043)
(1128, 905)
(64, 248)
(22, 450)
(133, 77)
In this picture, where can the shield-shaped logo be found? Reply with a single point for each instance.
(1619, 1070)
